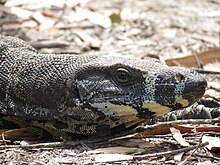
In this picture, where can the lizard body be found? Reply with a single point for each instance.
(88, 94)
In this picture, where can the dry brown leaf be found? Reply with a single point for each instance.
(49, 15)
(3, 130)
(182, 128)
(16, 133)
(206, 57)
(178, 137)
(152, 55)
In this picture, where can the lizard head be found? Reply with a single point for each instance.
(142, 87)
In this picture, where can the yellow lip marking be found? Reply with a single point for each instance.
(182, 101)
(124, 112)
(157, 108)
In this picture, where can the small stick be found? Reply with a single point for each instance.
(180, 122)
(173, 152)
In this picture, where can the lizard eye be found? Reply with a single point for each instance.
(122, 75)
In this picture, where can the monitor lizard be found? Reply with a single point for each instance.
(88, 94)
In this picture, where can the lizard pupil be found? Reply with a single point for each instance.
(123, 75)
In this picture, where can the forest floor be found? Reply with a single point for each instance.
(163, 29)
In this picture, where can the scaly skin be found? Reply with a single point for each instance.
(88, 94)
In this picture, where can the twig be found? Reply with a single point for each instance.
(39, 145)
(55, 144)
(76, 143)
(206, 71)
(219, 35)
(206, 156)
(173, 152)
(179, 122)
(49, 44)
(192, 153)
(62, 14)
(198, 61)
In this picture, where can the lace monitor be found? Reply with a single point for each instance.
(89, 94)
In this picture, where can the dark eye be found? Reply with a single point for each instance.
(122, 75)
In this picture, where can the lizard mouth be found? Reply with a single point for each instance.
(194, 91)
(201, 88)
(198, 88)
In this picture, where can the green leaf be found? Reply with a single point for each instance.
(115, 18)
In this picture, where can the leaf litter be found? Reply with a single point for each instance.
(183, 33)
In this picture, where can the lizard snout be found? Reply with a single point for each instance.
(194, 86)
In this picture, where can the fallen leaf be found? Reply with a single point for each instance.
(112, 157)
(206, 57)
(21, 13)
(120, 150)
(16, 133)
(140, 143)
(161, 58)
(115, 18)
(24, 143)
(214, 85)
(178, 137)
(71, 3)
(182, 128)
(214, 142)
(93, 41)
(210, 39)
(30, 24)
(152, 55)
(44, 22)
(99, 19)
(168, 33)
(34, 5)
(208, 162)
(178, 157)
(212, 93)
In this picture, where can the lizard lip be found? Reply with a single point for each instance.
(198, 88)
(201, 88)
